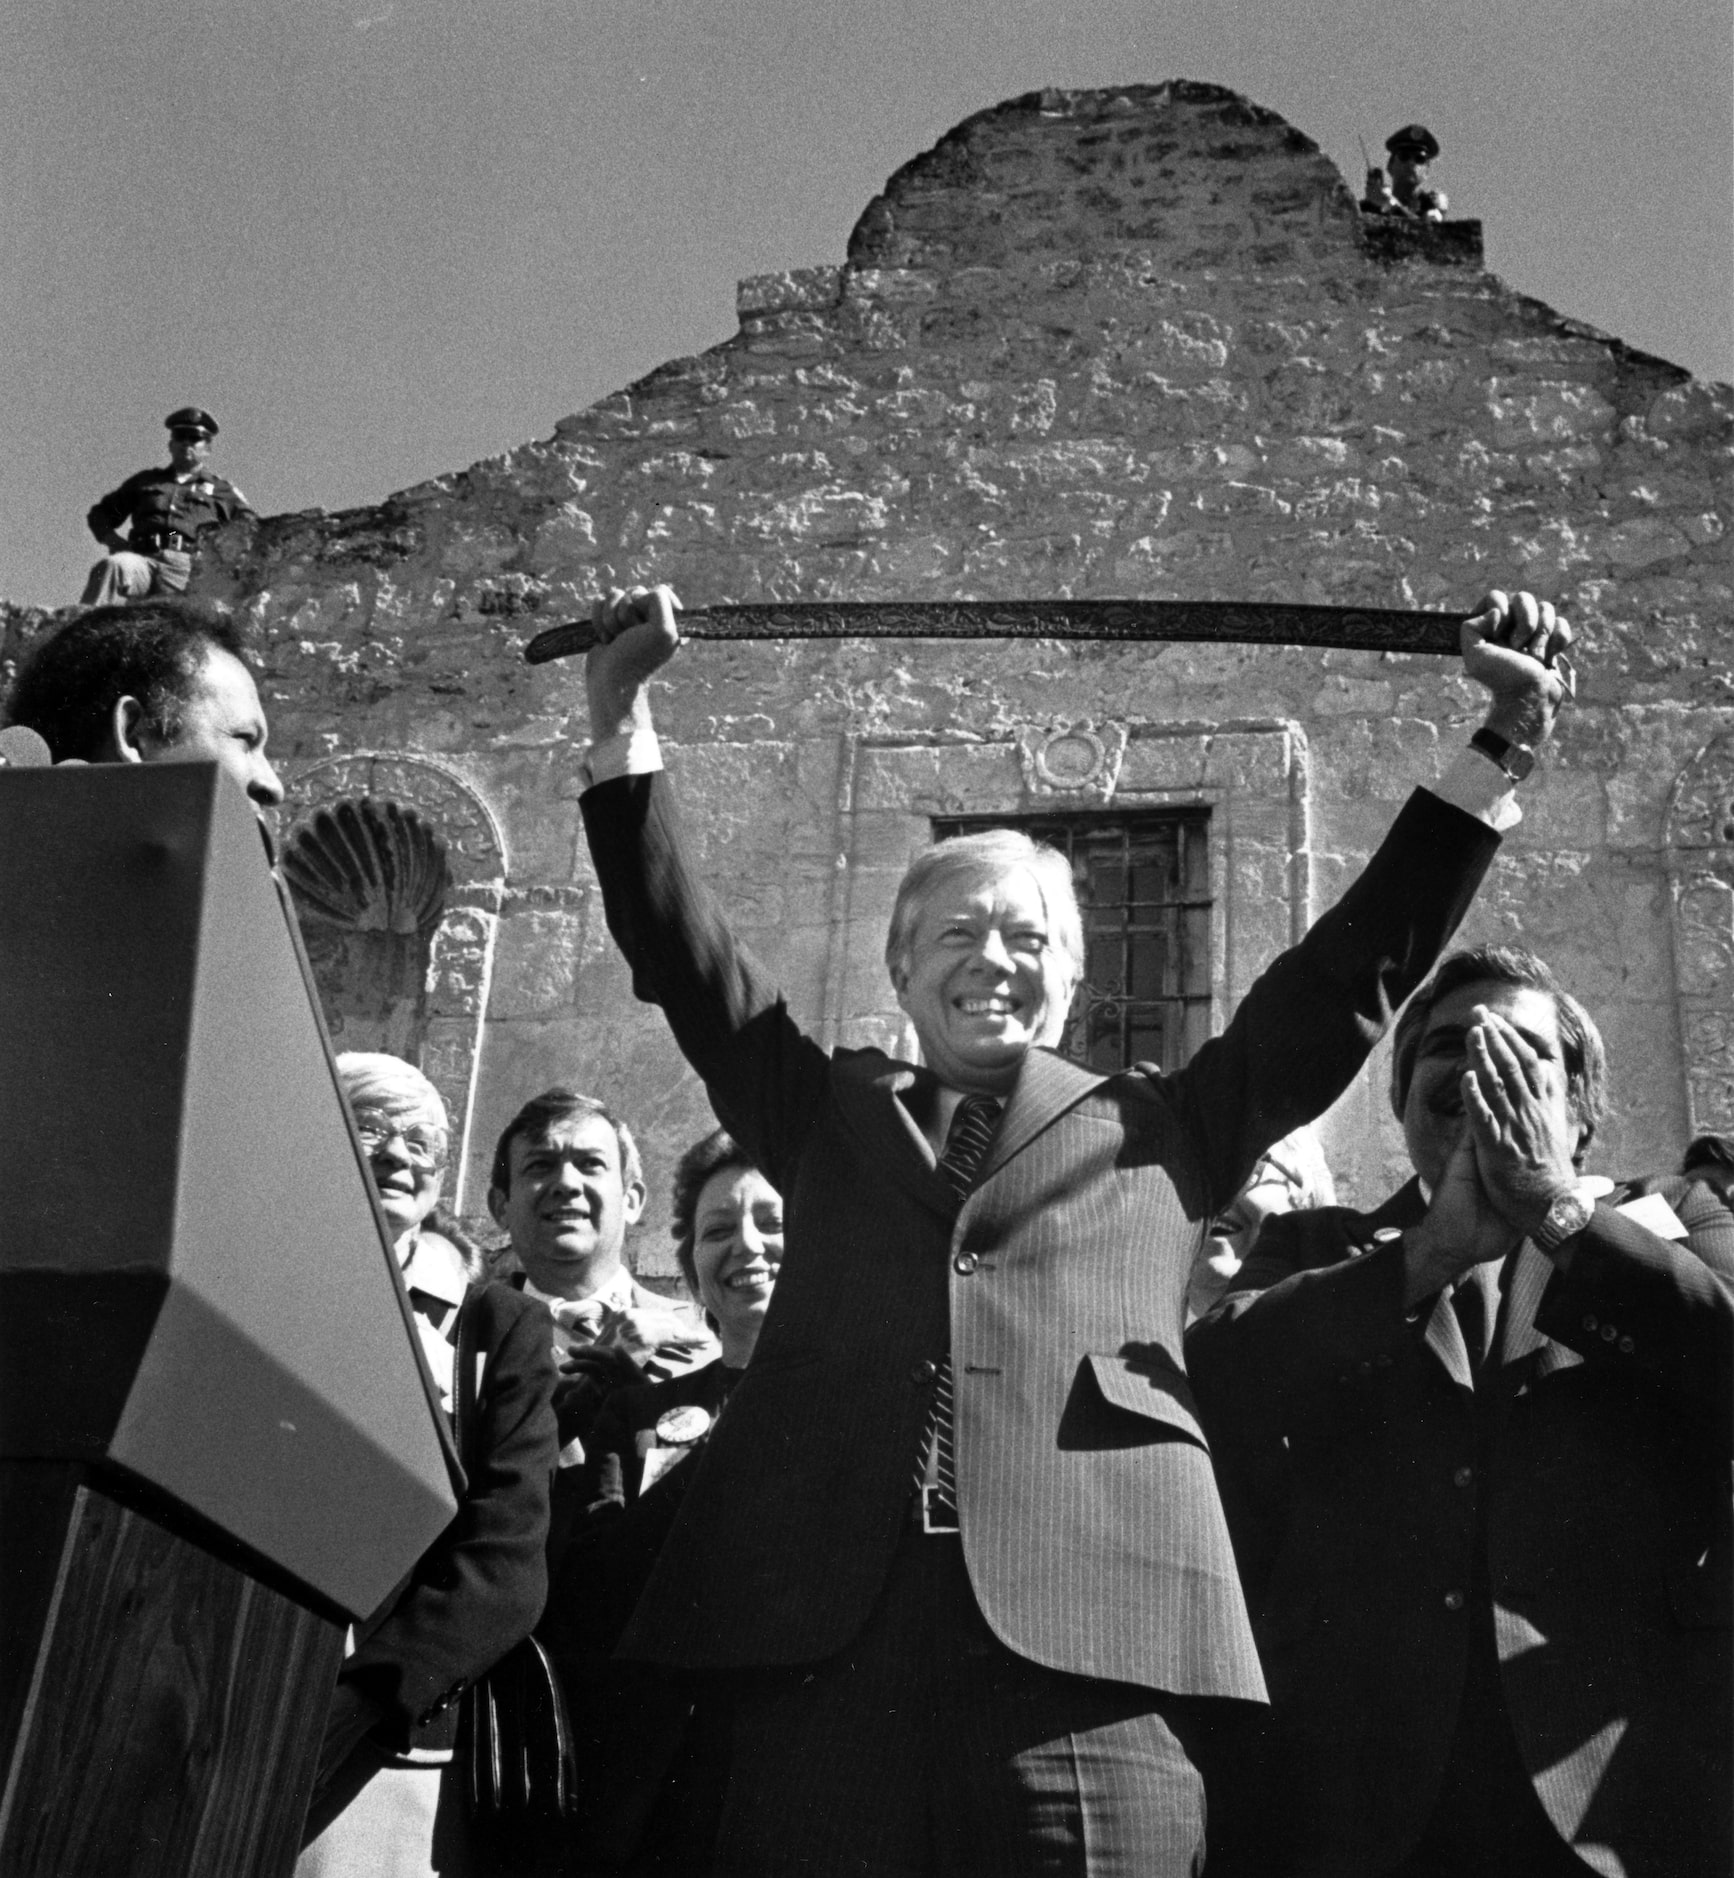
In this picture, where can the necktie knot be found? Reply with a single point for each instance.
(966, 1142)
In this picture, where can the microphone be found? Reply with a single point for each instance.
(22, 748)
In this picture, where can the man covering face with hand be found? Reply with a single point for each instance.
(1475, 1448)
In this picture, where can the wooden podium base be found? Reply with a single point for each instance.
(160, 1705)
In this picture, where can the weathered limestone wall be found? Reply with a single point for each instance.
(1122, 343)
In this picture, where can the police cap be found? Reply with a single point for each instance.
(1416, 138)
(190, 417)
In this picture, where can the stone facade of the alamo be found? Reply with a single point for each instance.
(1135, 342)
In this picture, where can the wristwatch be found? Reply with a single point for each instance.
(1567, 1217)
(1516, 759)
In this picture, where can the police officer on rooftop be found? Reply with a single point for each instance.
(1411, 150)
(164, 512)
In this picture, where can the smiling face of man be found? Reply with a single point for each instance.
(1433, 1115)
(983, 980)
(568, 1205)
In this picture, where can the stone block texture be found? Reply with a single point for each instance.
(1131, 342)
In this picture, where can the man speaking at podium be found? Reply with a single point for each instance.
(158, 681)
(958, 1521)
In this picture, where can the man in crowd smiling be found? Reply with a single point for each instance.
(567, 1186)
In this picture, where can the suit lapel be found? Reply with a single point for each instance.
(869, 1097)
(1525, 1354)
(1047, 1086)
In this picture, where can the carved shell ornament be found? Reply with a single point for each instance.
(369, 865)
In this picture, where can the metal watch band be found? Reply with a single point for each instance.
(1516, 759)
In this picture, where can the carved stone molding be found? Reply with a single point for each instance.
(475, 847)
(1700, 850)
(353, 821)
(369, 865)
(1080, 760)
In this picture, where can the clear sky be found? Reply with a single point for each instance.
(381, 239)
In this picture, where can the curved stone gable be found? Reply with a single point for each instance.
(1190, 171)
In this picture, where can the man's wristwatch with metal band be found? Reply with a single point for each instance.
(1567, 1217)
(1516, 759)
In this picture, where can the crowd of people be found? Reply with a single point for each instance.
(1046, 1475)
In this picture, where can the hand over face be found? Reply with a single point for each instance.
(1520, 1120)
(1463, 1226)
(1513, 645)
(638, 635)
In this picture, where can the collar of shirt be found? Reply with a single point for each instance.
(435, 1266)
(617, 1295)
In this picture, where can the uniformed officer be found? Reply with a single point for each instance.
(164, 512)
(1411, 149)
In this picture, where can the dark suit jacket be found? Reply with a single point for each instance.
(647, 1776)
(1092, 1531)
(1370, 1487)
(481, 1584)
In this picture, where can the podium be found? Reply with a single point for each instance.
(219, 1442)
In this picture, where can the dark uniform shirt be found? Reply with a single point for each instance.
(156, 502)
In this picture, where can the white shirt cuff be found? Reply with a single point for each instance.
(1474, 783)
(627, 753)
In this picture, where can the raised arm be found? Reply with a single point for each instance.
(766, 1078)
(1306, 1026)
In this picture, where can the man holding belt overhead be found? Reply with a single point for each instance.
(958, 1532)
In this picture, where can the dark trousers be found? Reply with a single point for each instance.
(1488, 1822)
(927, 1747)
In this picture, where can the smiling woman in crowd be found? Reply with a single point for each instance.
(651, 1751)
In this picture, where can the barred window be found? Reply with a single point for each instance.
(1143, 882)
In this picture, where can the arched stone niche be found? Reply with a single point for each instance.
(398, 869)
(370, 881)
(1700, 847)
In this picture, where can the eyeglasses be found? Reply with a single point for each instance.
(426, 1147)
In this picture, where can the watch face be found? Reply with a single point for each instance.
(1569, 1214)
(1519, 761)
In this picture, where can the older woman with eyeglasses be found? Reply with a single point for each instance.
(383, 1803)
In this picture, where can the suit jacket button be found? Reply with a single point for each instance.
(964, 1264)
(1627, 1346)
(1387, 1235)
(1453, 1600)
(1591, 1323)
(923, 1371)
(1609, 1333)
(1463, 1476)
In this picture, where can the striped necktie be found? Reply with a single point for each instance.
(966, 1142)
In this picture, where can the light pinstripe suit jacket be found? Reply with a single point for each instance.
(1091, 1526)
(1346, 1436)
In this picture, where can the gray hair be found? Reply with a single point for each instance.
(994, 852)
(372, 1080)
